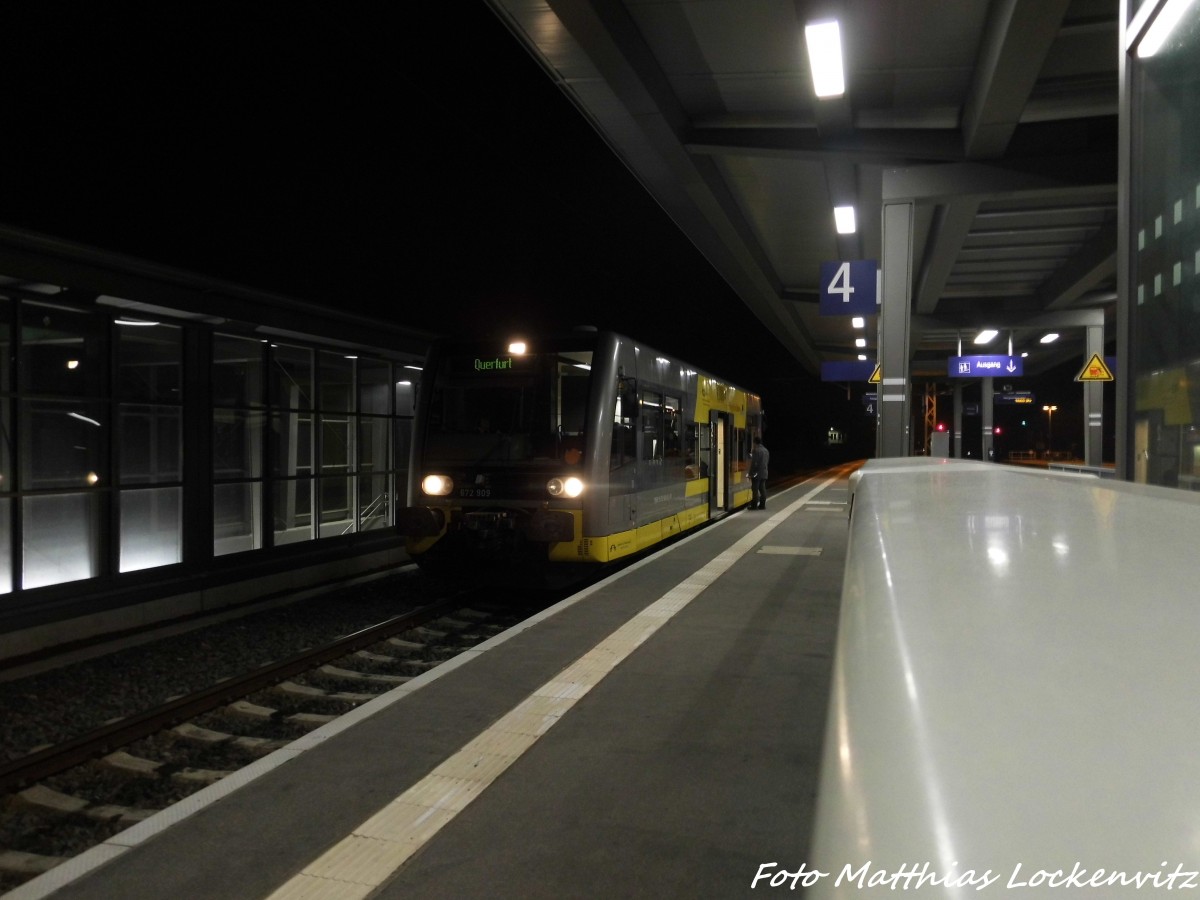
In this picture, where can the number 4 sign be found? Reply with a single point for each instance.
(849, 288)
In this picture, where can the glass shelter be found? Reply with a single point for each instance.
(1161, 168)
(160, 433)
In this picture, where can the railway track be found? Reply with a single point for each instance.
(59, 801)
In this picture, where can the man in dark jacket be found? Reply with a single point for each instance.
(759, 457)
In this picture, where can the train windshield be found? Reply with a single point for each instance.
(489, 409)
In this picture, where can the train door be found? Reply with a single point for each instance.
(718, 484)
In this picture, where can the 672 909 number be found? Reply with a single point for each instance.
(475, 492)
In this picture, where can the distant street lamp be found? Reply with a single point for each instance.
(1049, 410)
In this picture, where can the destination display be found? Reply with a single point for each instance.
(1017, 398)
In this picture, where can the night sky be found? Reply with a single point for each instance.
(409, 162)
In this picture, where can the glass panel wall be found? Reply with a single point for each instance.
(332, 443)
(1165, 258)
(238, 426)
(64, 423)
(295, 442)
(150, 443)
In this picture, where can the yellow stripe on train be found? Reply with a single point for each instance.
(607, 548)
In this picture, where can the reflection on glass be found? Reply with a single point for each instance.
(151, 528)
(337, 517)
(60, 539)
(237, 371)
(337, 444)
(64, 444)
(291, 377)
(1165, 237)
(337, 382)
(6, 567)
(406, 397)
(237, 512)
(151, 444)
(372, 445)
(293, 511)
(374, 508)
(237, 443)
(292, 439)
(6, 345)
(150, 363)
(374, 378)
(63, 351)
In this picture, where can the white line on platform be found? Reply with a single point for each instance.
(373, 851)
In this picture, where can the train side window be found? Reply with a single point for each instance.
(704, 452)
(572, 399)
(623, 436)
(691, 465)
(741, 445)
(652, 426)
(672, 440)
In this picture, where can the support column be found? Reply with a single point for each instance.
(956, 452)
(1093, 403)
(895, 313)
(987, 402)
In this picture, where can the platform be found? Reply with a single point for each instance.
(658, 734)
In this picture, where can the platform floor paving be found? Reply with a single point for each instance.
(657, 735)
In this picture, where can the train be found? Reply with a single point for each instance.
(564, 453)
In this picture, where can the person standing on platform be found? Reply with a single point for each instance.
(759, 457)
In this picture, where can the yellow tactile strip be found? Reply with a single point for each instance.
(365, 859)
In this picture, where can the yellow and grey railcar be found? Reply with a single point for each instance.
(568, 451)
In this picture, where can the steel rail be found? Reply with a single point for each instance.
(52, 760)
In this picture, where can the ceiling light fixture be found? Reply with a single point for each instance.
(986, 335)
(860, 342)
(1049, 337)
(858, 322)
(824, 40)
(843, 217)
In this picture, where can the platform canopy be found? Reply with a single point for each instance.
(999, 118)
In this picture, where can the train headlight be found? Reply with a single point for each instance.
(437, 485)
(565, 487)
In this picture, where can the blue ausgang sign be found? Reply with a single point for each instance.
(849, 288)
(849, 370)
(979, 366)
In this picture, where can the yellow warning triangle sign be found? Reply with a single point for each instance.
(1095, 370)
(875, 379)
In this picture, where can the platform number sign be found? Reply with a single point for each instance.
(840, 283)
(849, 288)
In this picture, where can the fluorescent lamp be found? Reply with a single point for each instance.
(1160, 29)
(860, 342)
(858, 322)
(824, 41)
(986, 335)
(843, 217)
(1049, 338)
(862, 357)
(516, 348)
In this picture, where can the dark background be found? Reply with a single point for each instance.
(406, 161)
